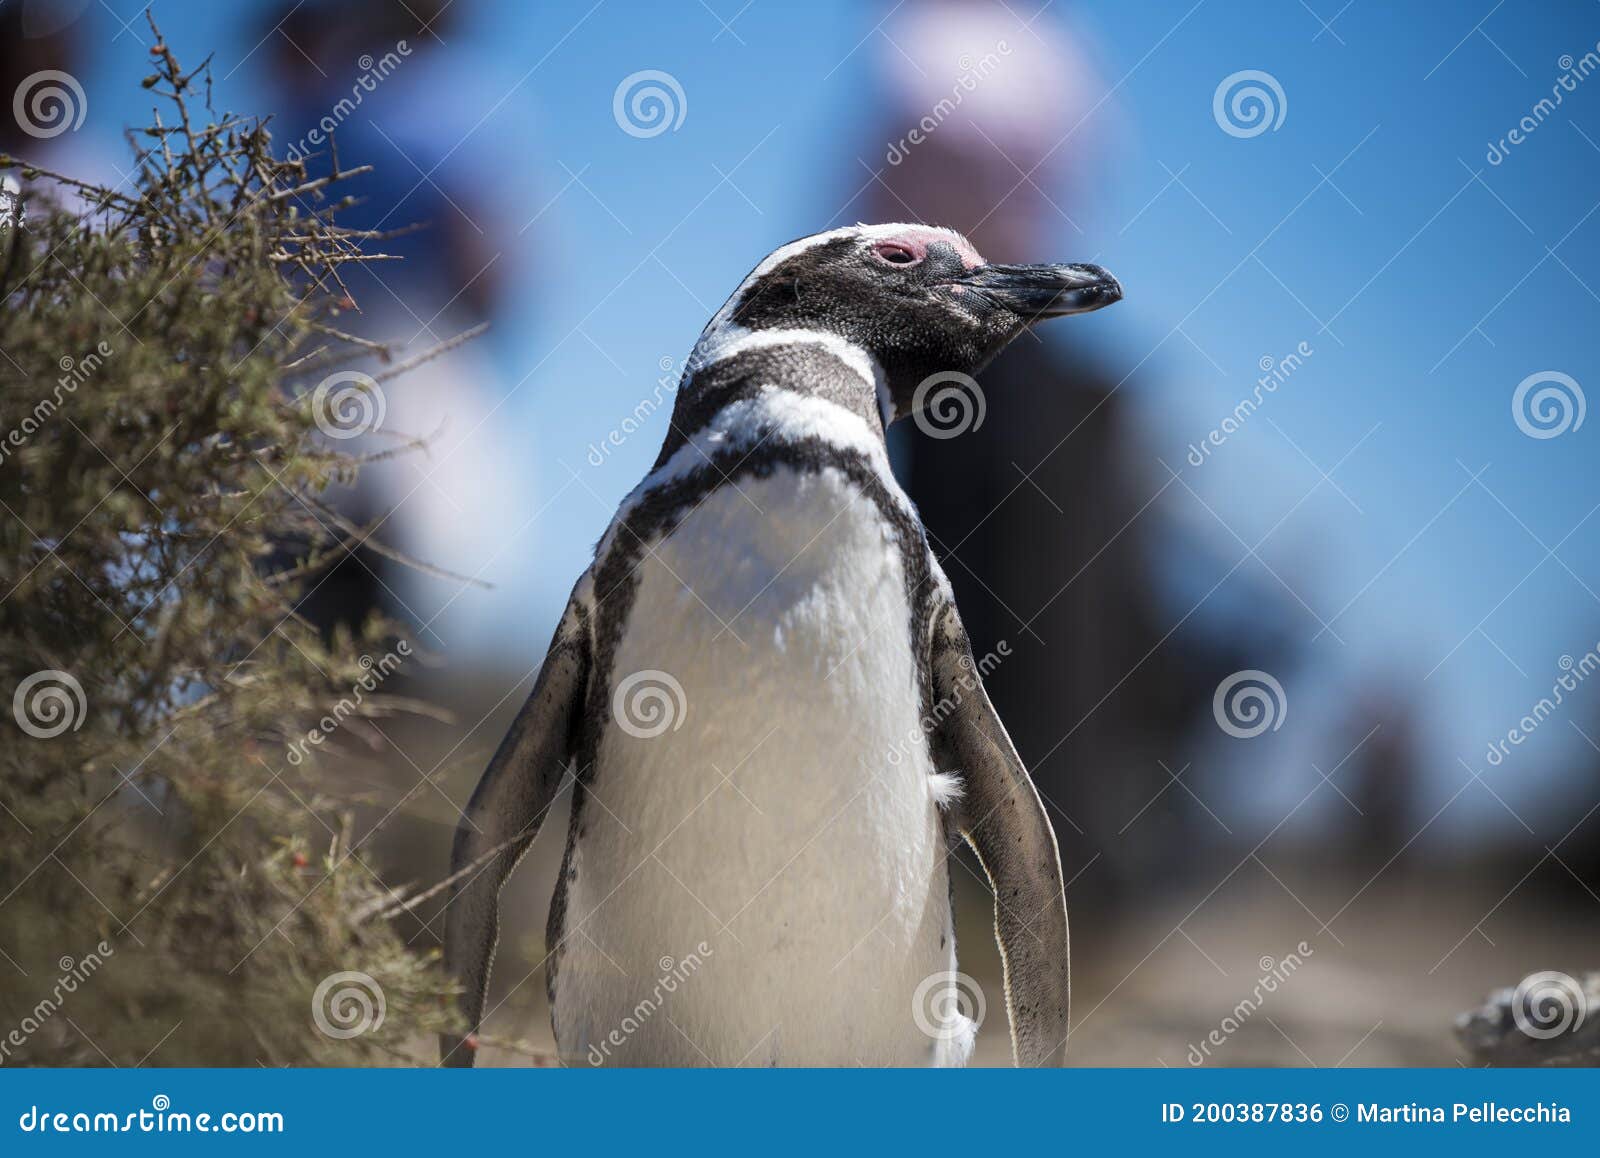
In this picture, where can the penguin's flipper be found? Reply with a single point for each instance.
(1000, 815)
(505, 813)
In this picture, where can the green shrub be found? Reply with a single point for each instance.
(162, 510)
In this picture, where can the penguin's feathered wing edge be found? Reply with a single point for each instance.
(506, 811)
(999, 813)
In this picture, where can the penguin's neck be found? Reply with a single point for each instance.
(731, 364)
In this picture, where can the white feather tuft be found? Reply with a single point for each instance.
(946, 788)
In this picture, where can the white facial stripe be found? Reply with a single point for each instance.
(897, 228)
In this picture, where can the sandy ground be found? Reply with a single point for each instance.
(1391, 957)
(1380, 986)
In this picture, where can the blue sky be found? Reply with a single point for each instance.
(1368, 224)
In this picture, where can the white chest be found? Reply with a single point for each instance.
(760, 872)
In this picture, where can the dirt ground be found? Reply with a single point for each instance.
(1381, 985)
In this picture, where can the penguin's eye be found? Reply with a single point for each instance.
(896, 254)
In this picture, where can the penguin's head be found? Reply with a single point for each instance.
(917, 298)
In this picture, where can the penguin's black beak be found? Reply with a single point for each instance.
(1042, 291)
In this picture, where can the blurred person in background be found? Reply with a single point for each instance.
(395, 94)
(1035, 499)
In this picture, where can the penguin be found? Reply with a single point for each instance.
(774, 723)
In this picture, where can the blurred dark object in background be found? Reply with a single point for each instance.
(1381, 735)
(35, 36)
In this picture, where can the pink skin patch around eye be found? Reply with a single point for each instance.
(917, 241)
